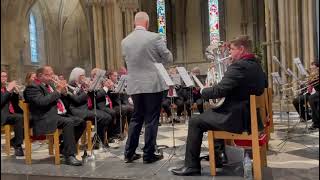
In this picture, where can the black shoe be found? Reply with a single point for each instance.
(133, 158)
(73, 161)
(186, 171)
(18, 151)
(152, 159)
(313, 128)
(174, 121)
(159, 124)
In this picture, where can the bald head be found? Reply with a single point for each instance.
(141, 19)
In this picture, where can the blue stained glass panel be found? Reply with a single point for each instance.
(214, 21)
(33, 38)
(161, 11)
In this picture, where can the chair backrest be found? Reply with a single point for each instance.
(257, 108)
(26, 114)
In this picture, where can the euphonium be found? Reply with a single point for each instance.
(218, 55)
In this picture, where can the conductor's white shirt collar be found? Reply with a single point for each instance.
(140, 28)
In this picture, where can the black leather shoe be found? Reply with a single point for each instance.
(152, 159)
(133, 158)
(313, 128)
(73, 161)
(18, 151)
(186, 171)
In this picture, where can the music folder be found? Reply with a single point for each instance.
(185, 76)
(121, 84)
(164, 74)
(95, 85)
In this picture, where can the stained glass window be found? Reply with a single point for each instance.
(161, 11)
(33, 38)
(214, 21)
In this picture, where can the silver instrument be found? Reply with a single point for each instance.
(219, 57)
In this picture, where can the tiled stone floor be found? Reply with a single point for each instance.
(296, 158)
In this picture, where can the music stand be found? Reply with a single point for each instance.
(94, 87)
(120, 89)
(165, 76)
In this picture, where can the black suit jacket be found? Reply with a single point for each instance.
(242, 79)
(6, 97)
(78, 102)
(43, 108)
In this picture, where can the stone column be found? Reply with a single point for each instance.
(98, 35)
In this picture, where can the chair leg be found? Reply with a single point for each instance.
(257, 168)
(50, 144)
(263, 154)
(8, 138)
(27, 149)
(89, 139)
(56, 147)
(212, 160)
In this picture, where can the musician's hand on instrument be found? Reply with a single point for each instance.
(62, 86)
(11, 86)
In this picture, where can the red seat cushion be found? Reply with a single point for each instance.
(263, 139)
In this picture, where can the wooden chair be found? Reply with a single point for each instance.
(53, 138)
(258, 161)
(7, 128)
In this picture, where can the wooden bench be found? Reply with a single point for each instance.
(258, 160)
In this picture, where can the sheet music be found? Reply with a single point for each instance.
(185, 76)
(176, 78)
(276, 60)
(276, 78)
(121, 84)
(97, 80)
(291, 74)
(164, 74)
(300, 67)
(197, 81)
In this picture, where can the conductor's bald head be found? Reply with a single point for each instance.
(141, 19)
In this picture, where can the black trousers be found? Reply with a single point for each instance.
(197, 126)
(104, 119)
(199, 103)
(72, 129)
(301, 106)
(16, 120)
(314, 104)
(146, 110)
(126, 113)
(180, 106)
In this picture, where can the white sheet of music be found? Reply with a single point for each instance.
(164, 74)
(276, 78)
(121, 84)
(185, 76)
(176, 78)
(300, 67)
(97, 80)
(291, 74)
(197, 81)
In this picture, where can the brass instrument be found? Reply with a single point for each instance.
(218, 55)
(311, 80)
(73, 89)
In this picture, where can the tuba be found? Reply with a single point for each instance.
(218, 54)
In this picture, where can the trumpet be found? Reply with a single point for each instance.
(73, 89)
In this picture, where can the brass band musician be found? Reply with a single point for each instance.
(11, 113)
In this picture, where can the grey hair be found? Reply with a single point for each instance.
(75, 73)
(141, 16)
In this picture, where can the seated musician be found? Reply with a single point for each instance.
(81, 104)
(49, 113)
(314, 95)
(172, 93)
(242, 78)
(11, 113)
(196, 96)
(117, 100)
